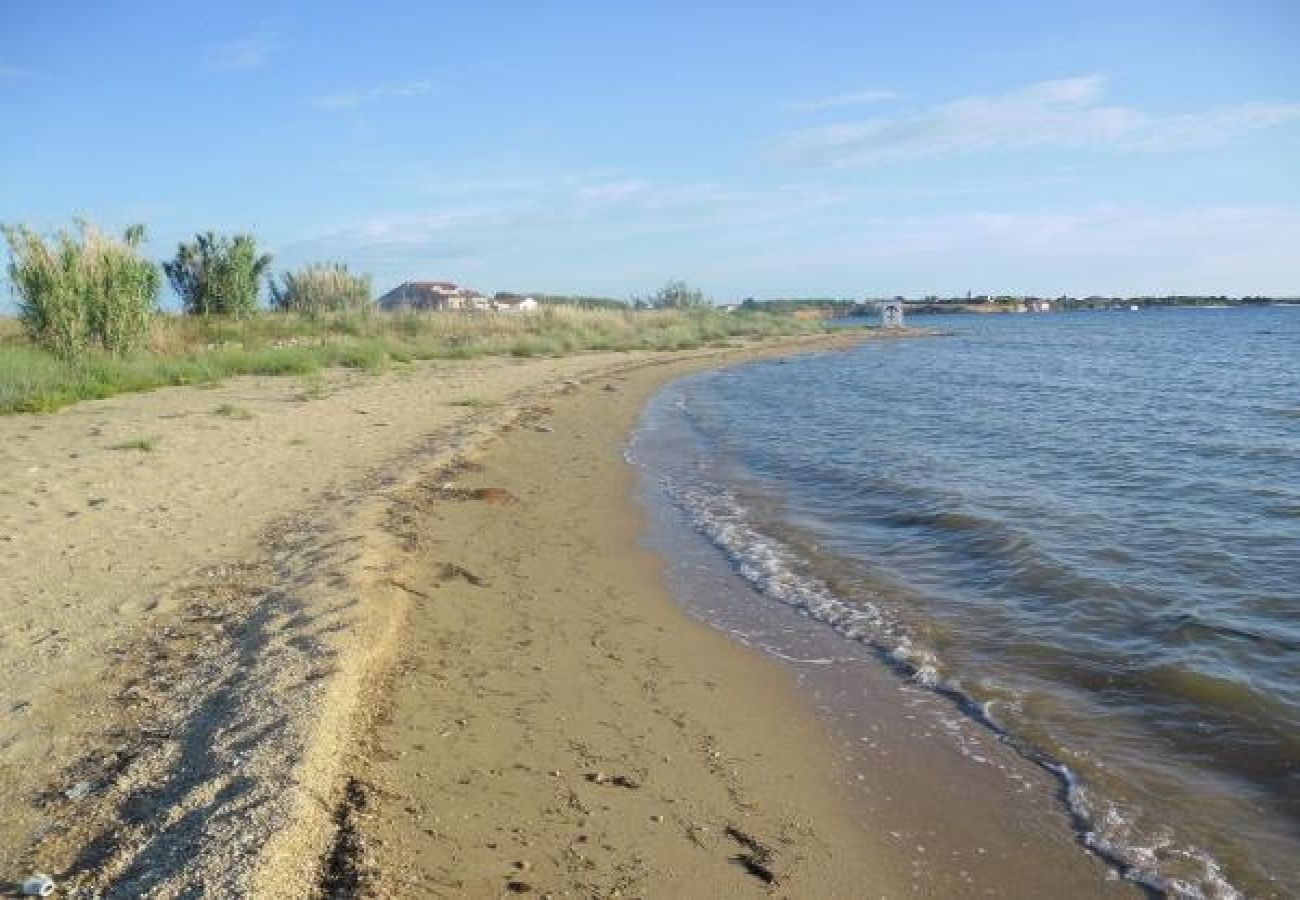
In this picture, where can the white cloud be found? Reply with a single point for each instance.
(1067, 113)
(836, 101)
(357, 98)
(252, 51)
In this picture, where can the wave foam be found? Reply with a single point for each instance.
(773, 569)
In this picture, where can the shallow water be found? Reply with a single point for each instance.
(1087, 526)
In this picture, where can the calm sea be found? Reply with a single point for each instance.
(1085, 527)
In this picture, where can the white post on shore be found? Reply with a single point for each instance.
(891, 314)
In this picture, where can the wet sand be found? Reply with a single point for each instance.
(558, 725)
(295, 648)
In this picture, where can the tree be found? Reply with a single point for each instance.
(678, 295)
(218, 275)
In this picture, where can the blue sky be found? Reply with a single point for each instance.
(750, 148)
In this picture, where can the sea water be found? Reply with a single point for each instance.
(1082, 528)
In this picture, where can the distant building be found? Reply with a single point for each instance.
(513, 303)
(443, 295)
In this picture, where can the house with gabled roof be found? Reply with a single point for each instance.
(431, 295)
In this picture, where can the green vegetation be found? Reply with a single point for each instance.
(201, 350)
(230, 411)
(144, 445)
(82, 292)
(88, 325)
(218, 275)
(321, 288)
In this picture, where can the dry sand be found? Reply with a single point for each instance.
(193, 640)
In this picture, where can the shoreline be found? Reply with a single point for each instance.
(474, 783)
(276, 716)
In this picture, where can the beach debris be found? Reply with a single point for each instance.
(519, 887)
(494, 495)
(757, 859)
(544, 429)
(410, 590)
(451, 571)
(78, 791)
(624, 781)
(38, 886)
(610, 387)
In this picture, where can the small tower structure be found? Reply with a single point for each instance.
(891, 314)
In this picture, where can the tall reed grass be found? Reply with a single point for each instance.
(84, 291)
(321, 288)
(196, 350)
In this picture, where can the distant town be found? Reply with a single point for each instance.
(450, 296)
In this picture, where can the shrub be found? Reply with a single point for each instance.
(218, 275)
(83, 291)
(321, 288)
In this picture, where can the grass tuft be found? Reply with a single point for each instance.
(230, 411)
(144, 445)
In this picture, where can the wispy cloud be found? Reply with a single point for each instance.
(836, 101)
(560, 218)
(252, 51)
(1066, 113)
(15, 72)
(352, 99)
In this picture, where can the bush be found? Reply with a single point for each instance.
(83, 291)
(218, 275)
(321, 288)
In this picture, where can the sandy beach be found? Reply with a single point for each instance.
(395, 636)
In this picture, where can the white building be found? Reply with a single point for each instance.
(513, 303)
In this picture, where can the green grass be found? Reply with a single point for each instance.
(188, 350)
(144, 445)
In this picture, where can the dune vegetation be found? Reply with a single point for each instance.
(182, 350)
(89, 326)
